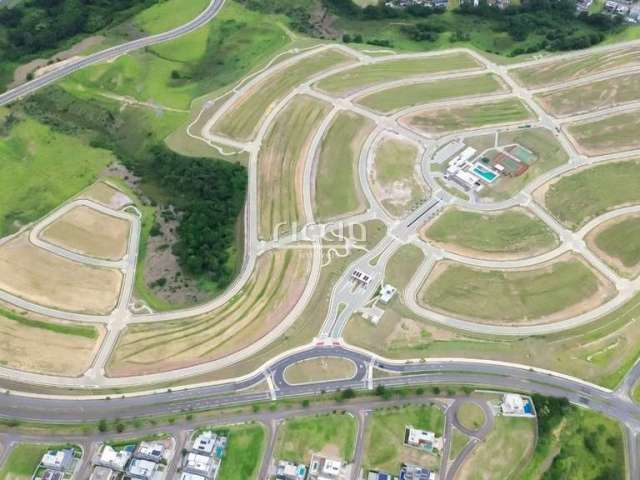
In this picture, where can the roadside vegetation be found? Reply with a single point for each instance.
(509, 233)
(575, 443)
(580, 196)
(320, 370)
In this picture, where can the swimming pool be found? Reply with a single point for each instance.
(484, 173)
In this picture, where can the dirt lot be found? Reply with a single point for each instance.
(47, 279)
(90, 232)
(106, 195)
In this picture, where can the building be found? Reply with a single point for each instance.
(191, 476)
(142, 469)
(386, 293)
(290, 471)
(198, 464)
(514, 405)
(423, 439)
(153, 451)
(61, 460)
(102, 473)
(414, 472)
(205, 442)
(115, 459)
(360, 277)
(324, 468)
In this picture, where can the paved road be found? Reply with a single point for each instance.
(21, 91)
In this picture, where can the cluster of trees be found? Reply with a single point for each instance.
(555, 20)
(35, 26)
(210, 195)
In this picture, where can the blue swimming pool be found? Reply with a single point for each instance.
(484, 173)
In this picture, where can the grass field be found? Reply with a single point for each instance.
(70, 346)
(320, 370)
(504, 453)
(458, 442)
(215, 55)
(563, 70)
(593, 96)
(281, 165)
(169, 14)
(508, 233)
(271, 292)
(470, 416)
(47, 279)
(396, 98)
(450, 119)
(40, 169)
(333, 435)
(396, 179)
(390, 424)
(241, 121)
(612, 243)
(612, 134)
(373, 74)
(580, 196)
(559, 289)
(337, 189)
(244, 452)
(23, 460)
(539, 141)
(90, 232)
(586, 445)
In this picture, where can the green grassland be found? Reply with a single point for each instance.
(168, 14)
(610, 134)
(280, 162)
(562, 70)
(397, 98)
(337, 190)
(470, 416)
(514, 232)
(397, 184)
(458, 442)
(389, 424)
(40, 169)
(510, 295)
(376, 73)
(593, 96)
(550, 154)
(579, 444)
(618, 241)
(23, 460)
(443, 120)
(577, 198)
(205, 60)
(244, 452)
(74, 329)
(505, 451)
(241, 121)
(299, 437)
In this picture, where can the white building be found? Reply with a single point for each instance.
(197, 462)
(205, 442)
(324, 468)
(58, 459)
(150, 450)
(114, 459)
(386, 293)
(422, 439)
(515, 405)
(361, 277)
(191, 476)
(143, 469)
(290, 471)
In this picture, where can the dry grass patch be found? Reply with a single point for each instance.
(610, 134)
(281, 165)
(47, 279)
(322, 369)
(70, 347)
(270, 294)
(396, 179)
(106, 195)
(89, 232)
